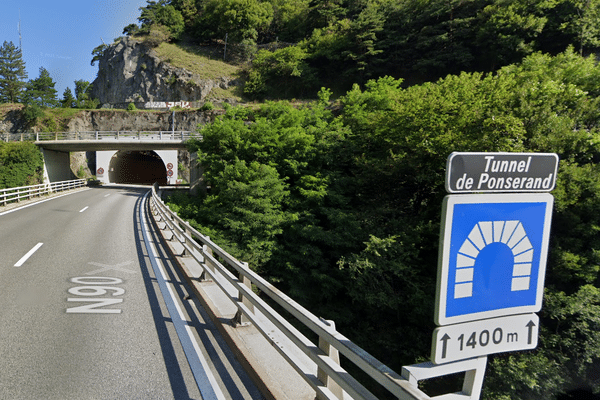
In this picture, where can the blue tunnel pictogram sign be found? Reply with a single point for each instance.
(493, 255)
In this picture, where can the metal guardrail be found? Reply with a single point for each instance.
(332, 378)
(100, 135)
(17, 194)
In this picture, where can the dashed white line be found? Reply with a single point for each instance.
(106, 195)
(29, 254)
(84, 208)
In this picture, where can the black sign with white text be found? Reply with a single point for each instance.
(501, 172)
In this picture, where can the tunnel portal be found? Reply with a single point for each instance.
(140, 167)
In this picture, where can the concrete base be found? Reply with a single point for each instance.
(57, 166)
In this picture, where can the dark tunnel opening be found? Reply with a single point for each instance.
(139, 167)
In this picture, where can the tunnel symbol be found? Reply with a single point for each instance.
(510, 233)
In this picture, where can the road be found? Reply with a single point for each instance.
(82, 314)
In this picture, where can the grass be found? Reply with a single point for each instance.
(195, 59)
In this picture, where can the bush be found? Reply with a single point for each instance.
(131, 107)
(284, 72)
(21, 164)
(207, 106)
(157, 35)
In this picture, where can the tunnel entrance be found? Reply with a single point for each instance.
(141, 167)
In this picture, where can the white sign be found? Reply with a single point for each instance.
(489, 336)
(492, 255)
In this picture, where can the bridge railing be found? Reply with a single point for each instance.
(332, 381)
(17, 194)
(100, 135)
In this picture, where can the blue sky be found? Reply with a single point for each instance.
(60, 35)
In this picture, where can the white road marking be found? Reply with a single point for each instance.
(209, 373)
(107, 267)
(41, 201)
(29, 254)
(84, 208)
(106, 195)
(209, 389)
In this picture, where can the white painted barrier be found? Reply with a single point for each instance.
(17, 194)
(333, 381)
(100, 135)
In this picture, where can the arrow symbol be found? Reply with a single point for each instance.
(530, 325)
(444, 340)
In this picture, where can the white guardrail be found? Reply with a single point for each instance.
(332, 378)
(99, 135)
(17, 194)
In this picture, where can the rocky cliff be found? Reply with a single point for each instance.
(109, 120)
(116, 120)
(131, 72)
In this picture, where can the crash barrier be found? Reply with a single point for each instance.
(331, 381)
(17, 194)
(99, 135)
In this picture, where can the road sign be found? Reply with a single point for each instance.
(169, 166)
(100, 171)
(493, 251)
(501, 172)
(489, 336)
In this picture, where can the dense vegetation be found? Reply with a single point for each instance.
(21, 164)
(336, 43)
(340, 206)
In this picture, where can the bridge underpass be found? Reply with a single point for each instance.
(139, 167)
(121, 157)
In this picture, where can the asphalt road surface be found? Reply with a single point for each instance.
(82, 313)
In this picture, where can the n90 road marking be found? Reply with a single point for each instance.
(95, 286)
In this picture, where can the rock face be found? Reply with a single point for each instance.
(13, 122)
(130, 72)
(109, 120)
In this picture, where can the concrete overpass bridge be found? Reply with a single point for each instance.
(121, 156)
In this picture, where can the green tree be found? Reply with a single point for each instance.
(83, 94)
(131, 29)
(40, 91)
(12, 73)
(282, 72)
(189, 12)
(68, 101)
(98, 53)
(163, 14)
(290, 20)
(509, 30)
(239, 19)
(582, 23)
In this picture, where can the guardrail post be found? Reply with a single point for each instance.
(334, 354)
(187, 232)
(240, 318)
(207, 262)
